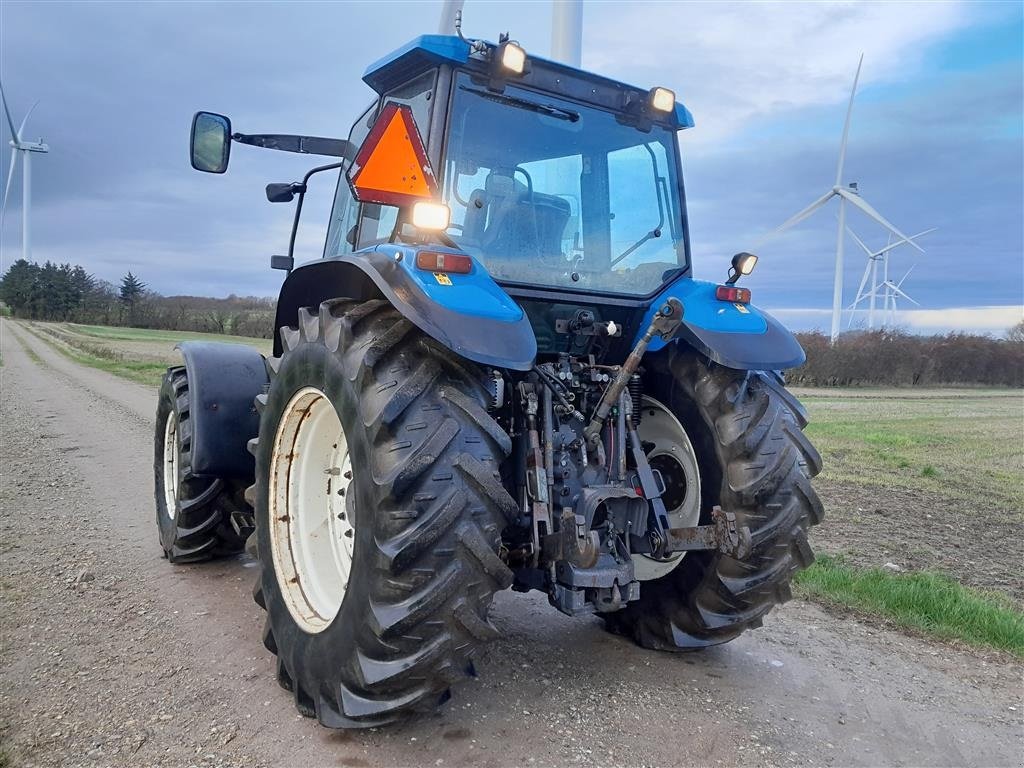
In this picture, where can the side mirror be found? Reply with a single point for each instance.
(284, 193)
(210, 142)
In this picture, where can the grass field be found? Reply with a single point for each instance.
(960, 444)
(931, 481)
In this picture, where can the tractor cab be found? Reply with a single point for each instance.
(565, 186)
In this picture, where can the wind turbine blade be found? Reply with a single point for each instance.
(860, 242)
(910, 239)
(846, 125)
(906, 275)
(863, 281)
(7, 111)
(25, 120)
(861, 203)
(796, 219)
(896, 290)
(10, 175)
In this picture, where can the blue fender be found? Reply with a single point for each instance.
(734, 335)
(470, 314)
(223, 381)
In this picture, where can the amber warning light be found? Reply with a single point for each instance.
(391, 167)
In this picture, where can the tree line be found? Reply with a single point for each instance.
(899, 359)
(67, 293)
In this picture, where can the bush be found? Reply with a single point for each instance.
(896, 358)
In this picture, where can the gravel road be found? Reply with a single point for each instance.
(111, 656)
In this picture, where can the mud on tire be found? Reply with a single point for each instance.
(195, 521)
(428, 514)
(755, 461)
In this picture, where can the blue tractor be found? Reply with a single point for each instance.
(501, 373)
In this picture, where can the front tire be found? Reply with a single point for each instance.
(755, 461)
(193, 513)
(423, 512)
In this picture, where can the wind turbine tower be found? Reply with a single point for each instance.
(26, 148)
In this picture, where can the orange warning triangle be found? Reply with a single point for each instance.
(391, 166)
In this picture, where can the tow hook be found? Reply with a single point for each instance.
(723, 535)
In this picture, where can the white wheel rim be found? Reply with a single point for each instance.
(171, 448)
(311, 533)
(673, 453)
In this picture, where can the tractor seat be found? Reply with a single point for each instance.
(505, 220)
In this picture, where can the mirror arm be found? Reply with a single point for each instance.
(305, 145)
(298, 205)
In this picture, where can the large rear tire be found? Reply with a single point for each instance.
(193, 514)
(755, 461)
(409, 481)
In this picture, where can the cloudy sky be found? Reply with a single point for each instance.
(936, 139)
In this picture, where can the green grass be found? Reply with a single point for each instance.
(148, 373)
(964, 446)
(922, 601)
(109, 333)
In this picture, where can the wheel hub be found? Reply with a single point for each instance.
(311, 528)
(673, 456)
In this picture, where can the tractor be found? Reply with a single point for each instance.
(501, 373)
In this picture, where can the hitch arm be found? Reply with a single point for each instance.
(664, 324)
(722, 535)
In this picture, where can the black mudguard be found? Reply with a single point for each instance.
(774, 350)
(223, 381)
(376, 274)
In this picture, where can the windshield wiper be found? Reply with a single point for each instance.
(543, 109)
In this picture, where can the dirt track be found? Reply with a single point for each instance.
(112, 656)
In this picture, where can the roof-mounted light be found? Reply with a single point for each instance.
(512, 57)
(662, 100)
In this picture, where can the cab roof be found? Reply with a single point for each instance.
(428, 51)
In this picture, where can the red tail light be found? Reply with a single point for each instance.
(733, 294)
(457, 263)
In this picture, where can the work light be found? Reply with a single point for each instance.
(512, 57)
(742, 264)
(431, 216)
(662, 99)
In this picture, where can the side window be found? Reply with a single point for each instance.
(345, 212)
(642, 230)
(378, 221)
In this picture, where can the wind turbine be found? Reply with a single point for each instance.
(846, 194)
(892, 290)
(26, 148)
(871, 271)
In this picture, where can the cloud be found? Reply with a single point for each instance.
(990, 320)
(734, 64)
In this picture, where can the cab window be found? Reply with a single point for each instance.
(345, 213)
(378, 221)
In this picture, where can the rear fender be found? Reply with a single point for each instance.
(470, 314)
(733, 335)
(223, 381)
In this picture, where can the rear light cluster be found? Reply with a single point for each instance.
(455, 263)
(733, 294)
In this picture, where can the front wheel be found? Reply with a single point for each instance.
(193, 513)
(378, 515)
(754, 460)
